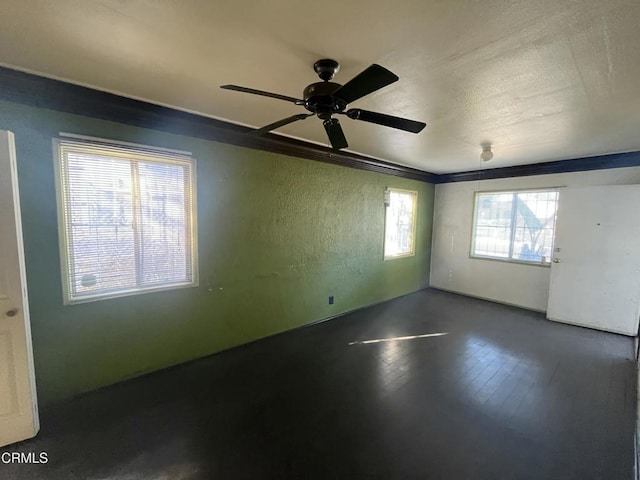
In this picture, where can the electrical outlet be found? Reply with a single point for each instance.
(331, 300)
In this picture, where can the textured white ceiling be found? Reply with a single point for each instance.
(541, 80)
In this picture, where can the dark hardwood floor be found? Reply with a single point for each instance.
(502, 394)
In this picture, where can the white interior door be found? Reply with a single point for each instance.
(18, 403)
(595, 274)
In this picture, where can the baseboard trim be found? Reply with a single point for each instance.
(636, 459)
(590, 327)
(300, 327)
(488, 299)
(635, 453)
(152, 371)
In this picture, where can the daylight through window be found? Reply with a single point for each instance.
(400, 224)
(517, 226)
(126, 219)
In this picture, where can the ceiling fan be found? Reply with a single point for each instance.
(326, 99)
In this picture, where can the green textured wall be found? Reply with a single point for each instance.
(277, 235)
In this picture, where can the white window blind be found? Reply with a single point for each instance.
(127, 218)
(400, 225)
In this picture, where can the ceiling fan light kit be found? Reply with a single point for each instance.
(325, 99)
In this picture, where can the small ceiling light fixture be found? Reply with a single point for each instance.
(486, 154)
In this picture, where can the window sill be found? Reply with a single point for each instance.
(404, 255)
(509, 260)
(126, 293)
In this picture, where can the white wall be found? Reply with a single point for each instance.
(522, 285)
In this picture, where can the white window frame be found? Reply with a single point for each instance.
(511, 192)
(413, 224)
(132, 151)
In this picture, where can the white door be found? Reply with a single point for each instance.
(18, 403)
(595, 274)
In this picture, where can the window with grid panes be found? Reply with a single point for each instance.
(400, 223)
(515, 226)
(126, 218)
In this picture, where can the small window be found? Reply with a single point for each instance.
(400, 223)
(515, 226)
(127, 219)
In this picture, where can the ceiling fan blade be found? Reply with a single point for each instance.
(262, 92)
(369, 80)
(335, 133)
(386, 120)
(280, 123)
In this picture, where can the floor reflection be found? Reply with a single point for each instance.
(393, 365)
(394, 359)
(506, 386)
(394, 339)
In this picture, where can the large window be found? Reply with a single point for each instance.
(127, 219)
(400, 223)
(515, 226)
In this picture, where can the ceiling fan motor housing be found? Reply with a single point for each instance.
(319, 99)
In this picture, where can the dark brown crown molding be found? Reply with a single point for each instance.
(601, 162)
(34, 90)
